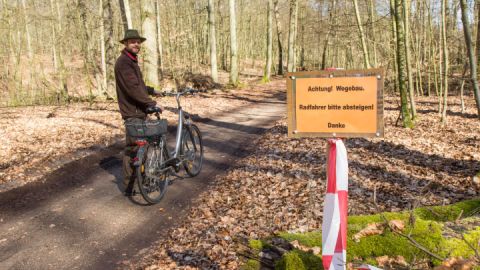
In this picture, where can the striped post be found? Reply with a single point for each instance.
(334, 227)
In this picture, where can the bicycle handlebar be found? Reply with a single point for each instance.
(185, 91)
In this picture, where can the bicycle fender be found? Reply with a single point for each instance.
(138, 159)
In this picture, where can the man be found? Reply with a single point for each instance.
(133, 98)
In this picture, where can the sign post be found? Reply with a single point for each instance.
(335, 104)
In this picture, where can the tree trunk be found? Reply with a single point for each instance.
(478, 36)
(126, 15)
(27, 31)
(331, 20)
(366, 57)
(279, 38)
(291, 35)
(103, 86)
(109, 49)
(405, 112)
(471, 55)
(372, 30)
(394, 35)
(150, 48)
(213, 41)
(268, 64)
(406, 18)
(159, 37)
(233, 45)
(63, 90)
(445, 63)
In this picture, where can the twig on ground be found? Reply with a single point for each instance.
(416, 244)
(433, 212)
(256, 258)
(412, 241)
(459, 216)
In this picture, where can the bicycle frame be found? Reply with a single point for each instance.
(175, 155)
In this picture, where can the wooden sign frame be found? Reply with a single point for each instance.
(291, 101)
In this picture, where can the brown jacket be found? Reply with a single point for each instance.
(132, 93)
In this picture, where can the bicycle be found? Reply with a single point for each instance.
(154, 162)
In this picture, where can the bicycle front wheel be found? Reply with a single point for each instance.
(192, 150)
(152, 177)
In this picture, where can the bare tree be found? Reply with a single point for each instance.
(150, 54)
(471, 54)
(107, 21)
(292, 35)
(331, 20)
(404, 110)
(27, 30)
(213, 41)
(233, 45)
(268, 64)
(361, 33)
(279, 38)
(406, 8)
(126, 14)
(159, 37)
(444, 62)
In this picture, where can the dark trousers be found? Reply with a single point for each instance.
(129, 153)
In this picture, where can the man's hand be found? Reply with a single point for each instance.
(151, 91)
(154, 109)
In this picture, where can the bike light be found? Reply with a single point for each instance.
(141, 142)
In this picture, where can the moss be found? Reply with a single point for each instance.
(310, 239)
(290, 261)
(251, 265)
(456, 247)
(256, 244)
(298, 259)
(427, 231)
(449, 212)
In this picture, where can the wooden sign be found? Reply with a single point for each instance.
(338, 103)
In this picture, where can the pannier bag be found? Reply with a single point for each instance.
(145, 128)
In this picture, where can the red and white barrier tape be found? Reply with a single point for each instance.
(334, 227)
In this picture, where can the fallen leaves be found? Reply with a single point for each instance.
(314, 250)
(396, 225)
(391, 263)
(456, 263)
(371, 229)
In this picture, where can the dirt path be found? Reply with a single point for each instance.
(78, 218)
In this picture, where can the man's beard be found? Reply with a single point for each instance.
(132, 52)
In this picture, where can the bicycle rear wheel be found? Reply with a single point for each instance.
(192, 150)
(152, 177)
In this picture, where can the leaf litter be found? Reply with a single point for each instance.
(280, 186)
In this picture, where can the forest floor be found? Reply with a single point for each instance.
(280, 186)
(77, 214)
(40, 139)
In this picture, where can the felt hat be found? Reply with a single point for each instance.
(132, 34)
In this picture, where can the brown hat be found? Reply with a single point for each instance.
(132, 34)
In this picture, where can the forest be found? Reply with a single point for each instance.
(427, 47)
